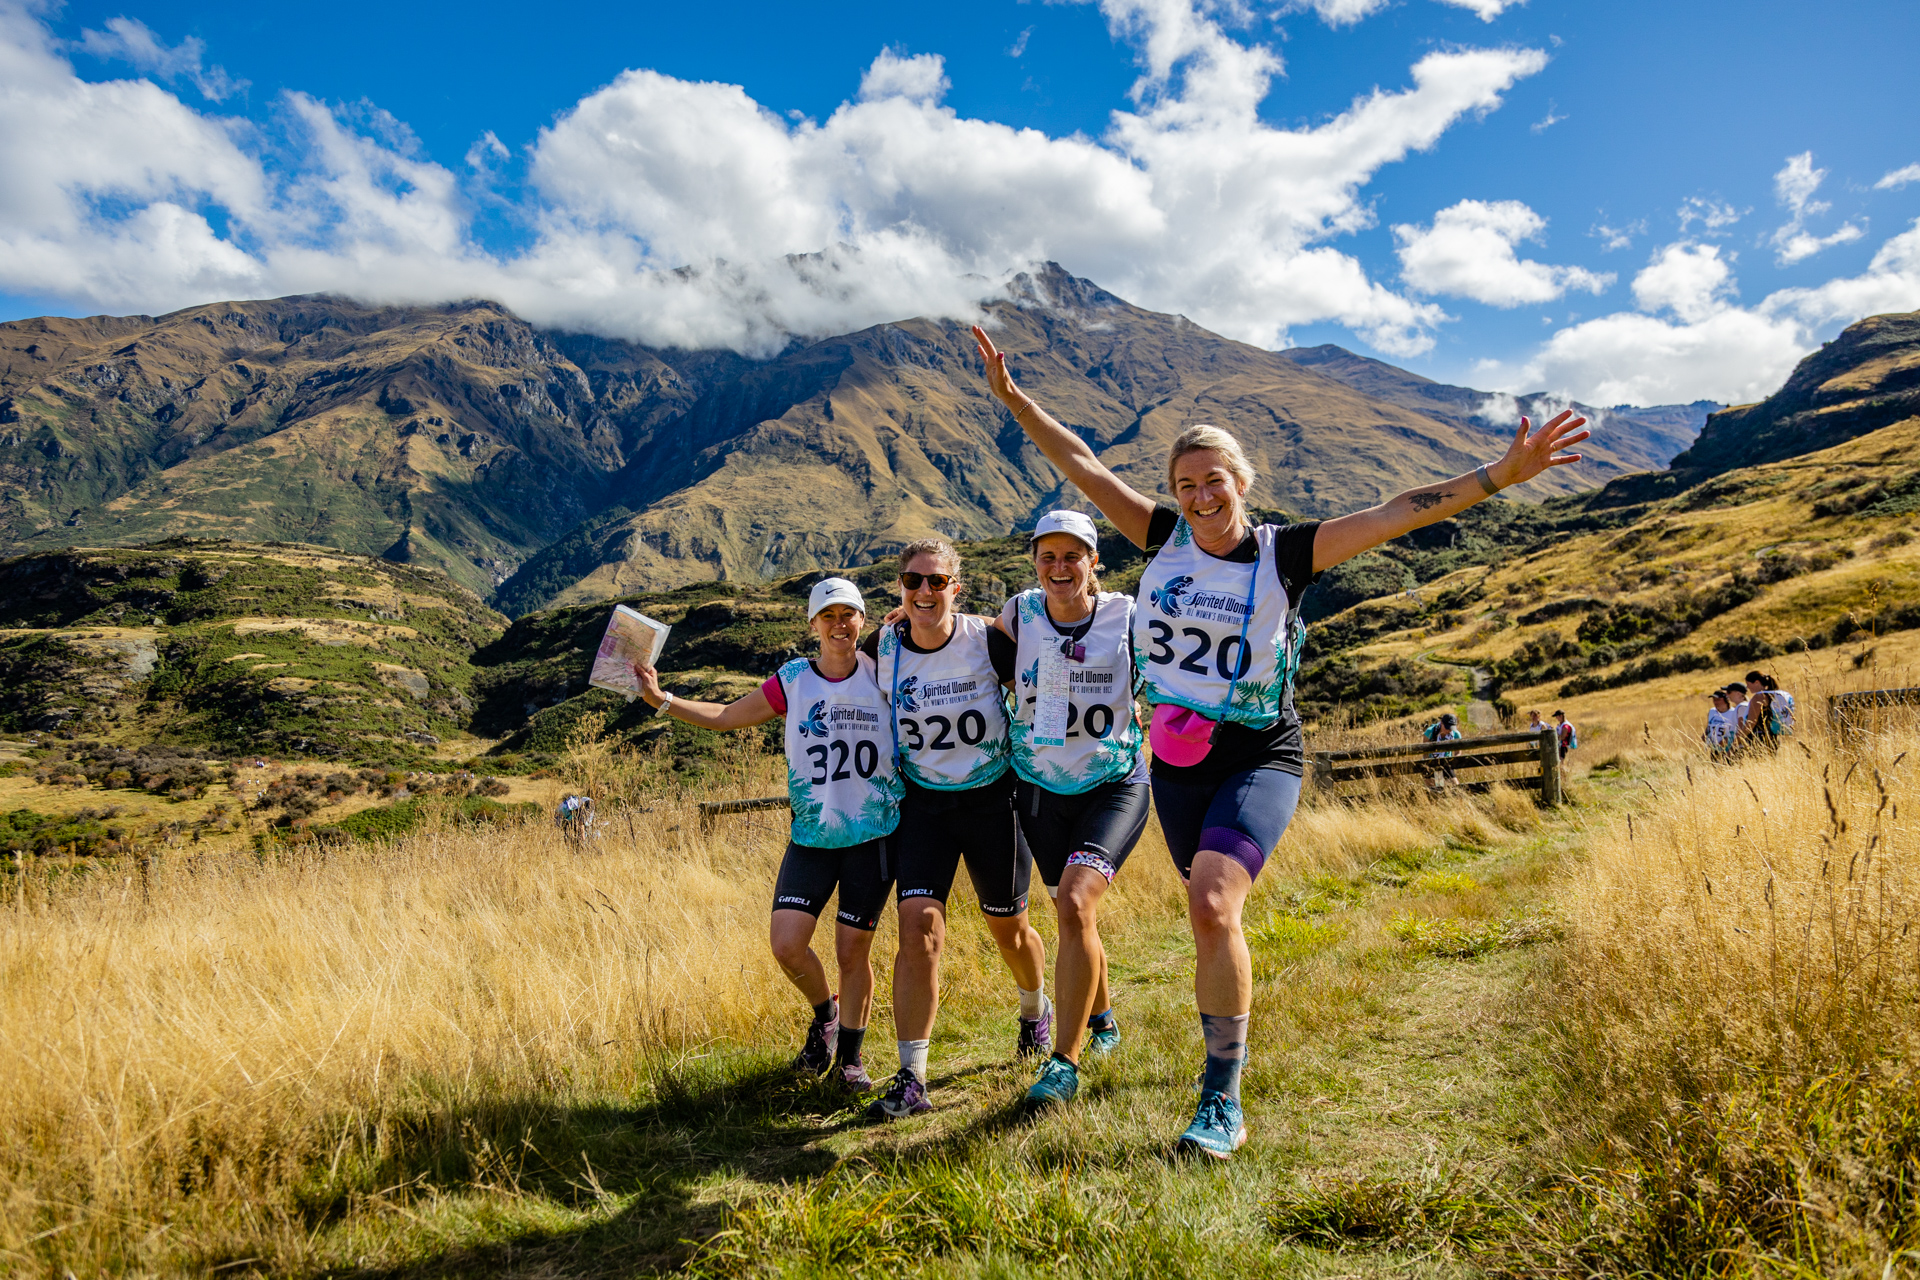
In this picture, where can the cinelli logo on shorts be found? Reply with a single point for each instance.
(790, 898)
(916, 893)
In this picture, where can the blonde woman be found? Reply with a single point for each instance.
(1217, 636)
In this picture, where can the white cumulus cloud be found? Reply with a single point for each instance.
(1469, 252)
(1706, 347)
(1690, 280)
(682, 212)
(1344, 13)
(1795, 185)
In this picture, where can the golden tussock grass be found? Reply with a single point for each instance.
(197, 1061)
(1736, 1010)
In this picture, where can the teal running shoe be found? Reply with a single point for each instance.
(1103, 1042)
(1058, 1082)
(1217, 1129)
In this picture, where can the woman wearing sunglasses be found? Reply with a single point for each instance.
(1217, 636)
(1082, 795)
(942, 672)
(844, 791)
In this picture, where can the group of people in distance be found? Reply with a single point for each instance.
(1756, 713)
(906, 756)
(1565, 736)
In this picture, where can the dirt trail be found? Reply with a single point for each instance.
(1480, 712)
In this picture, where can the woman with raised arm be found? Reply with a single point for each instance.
(1217, 636)
(845, 797)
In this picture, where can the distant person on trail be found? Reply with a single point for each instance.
(845, 797)
(942, 673)
(1217, 636)
(575, 817)
(1445, 729)
(1534, 723)
(1082, 795)
(1564, 734)
(1721, 725)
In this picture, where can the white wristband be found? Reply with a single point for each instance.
(666, 700)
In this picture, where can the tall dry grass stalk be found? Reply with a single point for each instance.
(1737, 999)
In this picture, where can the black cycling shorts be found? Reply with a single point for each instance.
(938, 829)
(862, 872)
(1097, 828)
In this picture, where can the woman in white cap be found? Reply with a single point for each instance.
(942, 672)
(845, 796)
(1217, 636)
(1082, 797)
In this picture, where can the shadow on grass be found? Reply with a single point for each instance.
(543, 1167)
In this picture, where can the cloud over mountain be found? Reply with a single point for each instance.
(685, 213)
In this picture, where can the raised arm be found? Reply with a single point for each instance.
(1128, 508)
(742, 713)
(1530, 453)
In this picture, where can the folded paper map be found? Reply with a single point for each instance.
(633, 640)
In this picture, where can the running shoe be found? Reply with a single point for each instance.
(823, 1039)
(1217, 1129)
(854, 1077)
(1036, 1034)
(1102, 1042)
(1056, 1085)
(905, 1096)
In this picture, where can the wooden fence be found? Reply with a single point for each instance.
(1331, 768)
(713, 809)
(1846, 710)
(1459, 755)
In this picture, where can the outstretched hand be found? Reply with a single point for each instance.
(650, 690)
(1534, 451)
(999, 381)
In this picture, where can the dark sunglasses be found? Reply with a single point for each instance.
(938, 581)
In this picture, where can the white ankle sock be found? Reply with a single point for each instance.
(1032, 1003)
(913, 1057)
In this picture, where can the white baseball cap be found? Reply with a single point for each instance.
(833, 591)
(1071, 523)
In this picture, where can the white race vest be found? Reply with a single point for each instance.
(841, 781)
(1094, 740)
(1187, 625)
(948, 708)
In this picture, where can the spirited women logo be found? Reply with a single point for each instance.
(908, 690)
(814, 723)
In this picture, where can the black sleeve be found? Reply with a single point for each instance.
(1293, 555)
(1000, 652)
(871, 645)
(1160, 527)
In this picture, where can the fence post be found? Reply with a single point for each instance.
(1323, 769)
(1550, 794)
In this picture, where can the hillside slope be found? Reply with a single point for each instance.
(1808, 565)
(852, 446)
(1865, 379)
(280, 649)
(457, 436)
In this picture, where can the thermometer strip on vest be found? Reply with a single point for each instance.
(1055, 692)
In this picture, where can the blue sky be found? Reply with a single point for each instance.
(1608, 200)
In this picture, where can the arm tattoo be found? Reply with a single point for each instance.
(1427, 501)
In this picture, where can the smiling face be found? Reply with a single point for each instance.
(929, 610)
(838, 629)
(1209, 494)
(1065, 566)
